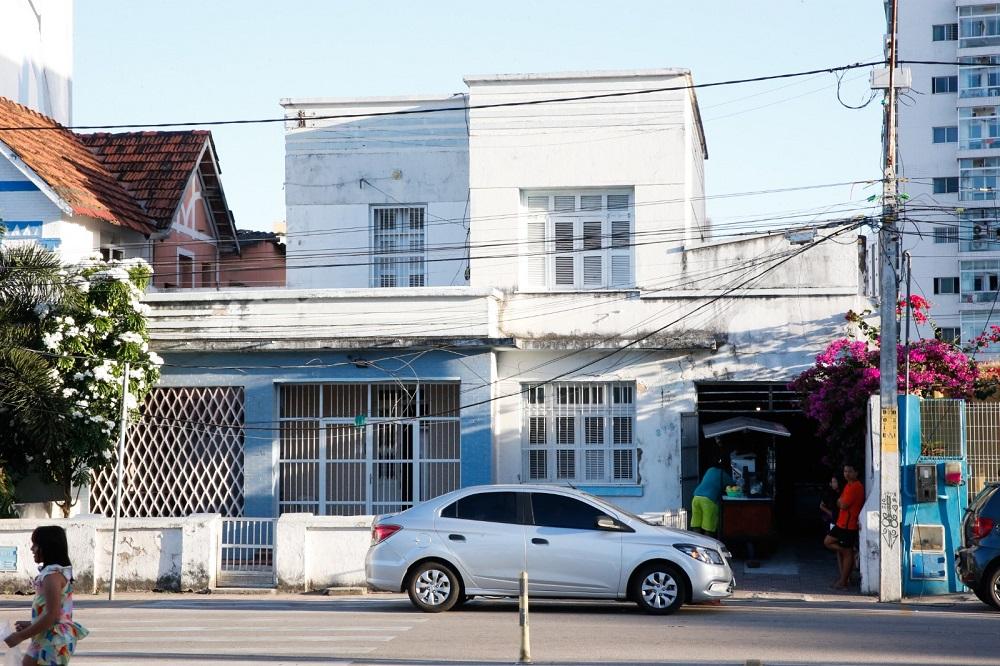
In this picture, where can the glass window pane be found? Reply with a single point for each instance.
(552, 510)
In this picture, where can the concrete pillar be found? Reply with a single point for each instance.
(200, 534)
(290, 551)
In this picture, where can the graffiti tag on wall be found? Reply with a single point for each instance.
(890, 518)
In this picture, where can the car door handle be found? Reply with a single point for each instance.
(540, 542)
(456, 537)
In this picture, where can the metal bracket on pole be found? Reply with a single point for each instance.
(118, 480)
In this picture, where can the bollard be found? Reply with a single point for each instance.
(523, 619)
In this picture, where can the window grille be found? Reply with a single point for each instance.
(184, 456)
(407, 448)
(398, 250)
(579, 432)
(577, 241)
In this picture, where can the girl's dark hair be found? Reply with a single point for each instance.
(51, 542)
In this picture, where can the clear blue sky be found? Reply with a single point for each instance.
(139, 62)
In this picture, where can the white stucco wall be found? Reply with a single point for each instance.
(169, 553)
(580, 145)
(336, 169)
(36, 55)
(314, 552)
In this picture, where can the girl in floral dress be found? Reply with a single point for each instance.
(52, 631)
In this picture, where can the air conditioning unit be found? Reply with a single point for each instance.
(978, 245)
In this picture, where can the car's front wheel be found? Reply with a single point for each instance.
(989, 589)
(658, 588)
(434, 587)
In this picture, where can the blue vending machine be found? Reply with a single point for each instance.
(933, 476)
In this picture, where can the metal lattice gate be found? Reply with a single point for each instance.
(184, 456)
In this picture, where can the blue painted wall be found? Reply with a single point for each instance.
(929, 573)
(259, 372)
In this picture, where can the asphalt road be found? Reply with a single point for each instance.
(384, 629)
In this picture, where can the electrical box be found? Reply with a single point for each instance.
(927, 556)
(902, 80)
(926, 483)
(953, 473)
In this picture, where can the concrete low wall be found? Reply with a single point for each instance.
(313, 552)
(164, 553)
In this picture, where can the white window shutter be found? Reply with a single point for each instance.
(564, 203)
(533, 260)
(564, 271)
(621, 253)
(564, 242)
(593, 270)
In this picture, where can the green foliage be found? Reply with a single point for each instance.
(66, 363)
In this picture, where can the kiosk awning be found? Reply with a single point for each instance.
(742, 424)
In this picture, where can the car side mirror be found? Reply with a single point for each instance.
(608, 523)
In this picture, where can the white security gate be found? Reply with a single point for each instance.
(246, 553)
(358, 449)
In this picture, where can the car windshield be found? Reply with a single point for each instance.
(614, 507)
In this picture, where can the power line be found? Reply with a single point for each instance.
(463, 109)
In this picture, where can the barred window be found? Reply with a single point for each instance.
(367, 448)
(579, 433)
(398, 251)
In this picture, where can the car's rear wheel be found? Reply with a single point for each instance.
(434, 587)
(658, 588)
(989, 589)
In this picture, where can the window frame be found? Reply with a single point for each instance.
(945, 184)
(949, 134)
(944, 32)
(391, 264)
(565, 243)
(596, 416)
(953, 285)
(943, 85)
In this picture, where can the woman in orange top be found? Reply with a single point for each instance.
(843, 537)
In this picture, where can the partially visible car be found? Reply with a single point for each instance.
(477, 540)
(977, 562)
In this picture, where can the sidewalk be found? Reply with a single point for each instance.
(802, 571)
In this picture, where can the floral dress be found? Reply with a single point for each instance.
(55, 646)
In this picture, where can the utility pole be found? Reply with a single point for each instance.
(890, 546)
(118, 479)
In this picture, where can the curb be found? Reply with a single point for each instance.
(345, 591)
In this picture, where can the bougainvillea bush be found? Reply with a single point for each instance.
(835, 391)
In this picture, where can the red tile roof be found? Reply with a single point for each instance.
(153, 166)
(74, 173)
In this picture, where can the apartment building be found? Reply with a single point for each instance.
(949, 157)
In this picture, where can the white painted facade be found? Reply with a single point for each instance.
(588, 235)
(73, 237)
(649, 146)
(337, 170)
(935, 143)
(36, 55)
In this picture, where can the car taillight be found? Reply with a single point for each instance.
(382, 532)
(981, 527)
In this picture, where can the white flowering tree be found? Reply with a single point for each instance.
(88, 340)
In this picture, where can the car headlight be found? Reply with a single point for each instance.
(700, 553)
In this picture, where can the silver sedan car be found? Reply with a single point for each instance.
(477, 540)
